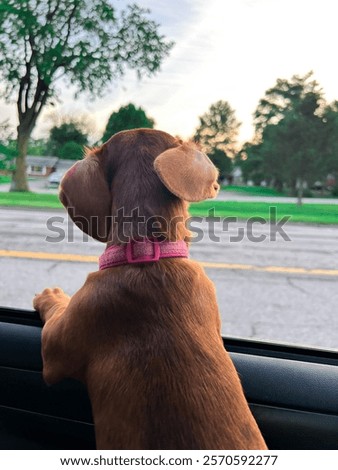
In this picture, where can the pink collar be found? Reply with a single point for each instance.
(142, 251)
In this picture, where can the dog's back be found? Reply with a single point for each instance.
(160, 377)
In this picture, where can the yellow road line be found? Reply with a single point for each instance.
(213, 265)
(272, 269)
(48, 256)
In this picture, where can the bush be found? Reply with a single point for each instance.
(307, 193)
(71, 151)
(334, 191)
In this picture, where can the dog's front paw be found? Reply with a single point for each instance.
(48, 299)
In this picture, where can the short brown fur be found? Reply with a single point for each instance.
(144, 338)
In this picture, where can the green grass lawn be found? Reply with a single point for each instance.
(5, 179)
(307, 213)
(47, 201)
(252, 190)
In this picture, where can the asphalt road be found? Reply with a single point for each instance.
(273, 283)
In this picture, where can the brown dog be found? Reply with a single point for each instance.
(144, 336)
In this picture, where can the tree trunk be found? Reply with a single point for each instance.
(300, 190)
(19, 178)
(278, 185)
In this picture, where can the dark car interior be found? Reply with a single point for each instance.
(292, 392)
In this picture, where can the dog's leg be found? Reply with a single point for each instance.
(51, 305)
(51, 302)
(62, 335)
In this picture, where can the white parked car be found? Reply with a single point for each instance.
(55, 178)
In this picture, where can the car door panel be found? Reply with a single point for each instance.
(292, 393)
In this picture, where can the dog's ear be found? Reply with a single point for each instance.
(84, 191)
(187, 173)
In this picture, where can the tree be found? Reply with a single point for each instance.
(5, 131)
(218, 129)
(69, 132)
(250, 162)
(71, 151)
(300, 93)
(217, 133)
(127, 117)
(290, 127)
(37, 147)
(7, 150)
(84, 41)
(330, 118)
(222, 162)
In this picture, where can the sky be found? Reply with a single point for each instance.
(231, 50)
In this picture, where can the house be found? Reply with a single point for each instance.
(40, 166)
(237, 176)
(44, 166)
(63, 165)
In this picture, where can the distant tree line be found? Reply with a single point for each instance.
(68, 138)
(295, 142)
(91, 43)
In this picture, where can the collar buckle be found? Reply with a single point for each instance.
(142, 256)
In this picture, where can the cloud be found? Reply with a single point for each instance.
(231, 50)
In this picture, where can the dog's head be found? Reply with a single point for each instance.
(135, 184)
